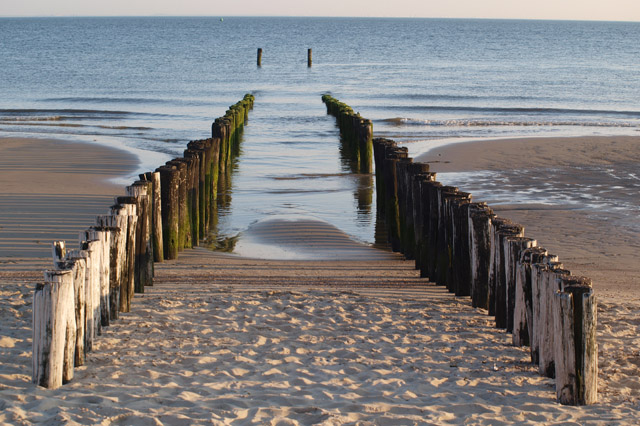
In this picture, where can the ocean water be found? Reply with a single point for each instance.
(149, 85)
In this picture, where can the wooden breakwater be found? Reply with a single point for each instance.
(164, 212)
(464, 246)
(356, 134)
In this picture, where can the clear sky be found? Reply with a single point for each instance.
(616, 10)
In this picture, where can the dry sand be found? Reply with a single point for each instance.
(221, 339)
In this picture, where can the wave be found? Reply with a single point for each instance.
(401, 121)
(22, 115)
(522, 110)
(129, 101)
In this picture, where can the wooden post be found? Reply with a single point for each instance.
(309, 58)
(156, 215)
(480, 216)
(119, 269)
(54, 329)
(550, 284)
(59, 253)
(513, 247)
(127, 206)
(184, 227)
(144, 256)
(576, 349)
(461, 261)
(259, 57)
(77, 259)
(523, 311)
(103, 237)
(170, 185)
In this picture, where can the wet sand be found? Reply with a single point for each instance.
(51, 189)
(593, 220)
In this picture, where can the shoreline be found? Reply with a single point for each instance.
(593, 241)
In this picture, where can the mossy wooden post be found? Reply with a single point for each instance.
(156, 216)
(200, 149)
(480, 247)
(365, 142)
(54, 329)
(77, 262)
(194, 157)
(513, 247)
(391, 185)
(119, 267)
(170, 184)
(259, 61)
(576, 349)
(523, 310)
(184, 228)
(309, 59)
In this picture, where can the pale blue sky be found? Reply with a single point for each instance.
(627, 10)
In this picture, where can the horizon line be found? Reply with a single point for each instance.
(319, 17)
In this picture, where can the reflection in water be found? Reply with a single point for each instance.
(288, 162)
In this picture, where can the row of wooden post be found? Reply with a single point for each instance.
(309, 57)
(464, 246)
(162, 213)
(356, 134)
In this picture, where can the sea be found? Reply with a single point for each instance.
(149, 85)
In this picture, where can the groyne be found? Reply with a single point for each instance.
(356, 134)
(465, 246)
(164, 212)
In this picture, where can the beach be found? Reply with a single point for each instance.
(224, 339)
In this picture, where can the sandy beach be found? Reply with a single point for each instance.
(222, 339)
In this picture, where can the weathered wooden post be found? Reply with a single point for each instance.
(119, 269)
(500, 230)
(309, 58)
(550, 283)
(127, 206)
(59, 253)
(259, 57)
(77, 263)
(54, 329)
(461, 259)
(103, 236)
(144, 256)
(523, 311)
(513, 248)
(576, 349)
(154, 192)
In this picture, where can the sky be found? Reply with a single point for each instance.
(606, 10)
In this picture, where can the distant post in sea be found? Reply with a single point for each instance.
(309, 58)
(259, 56)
